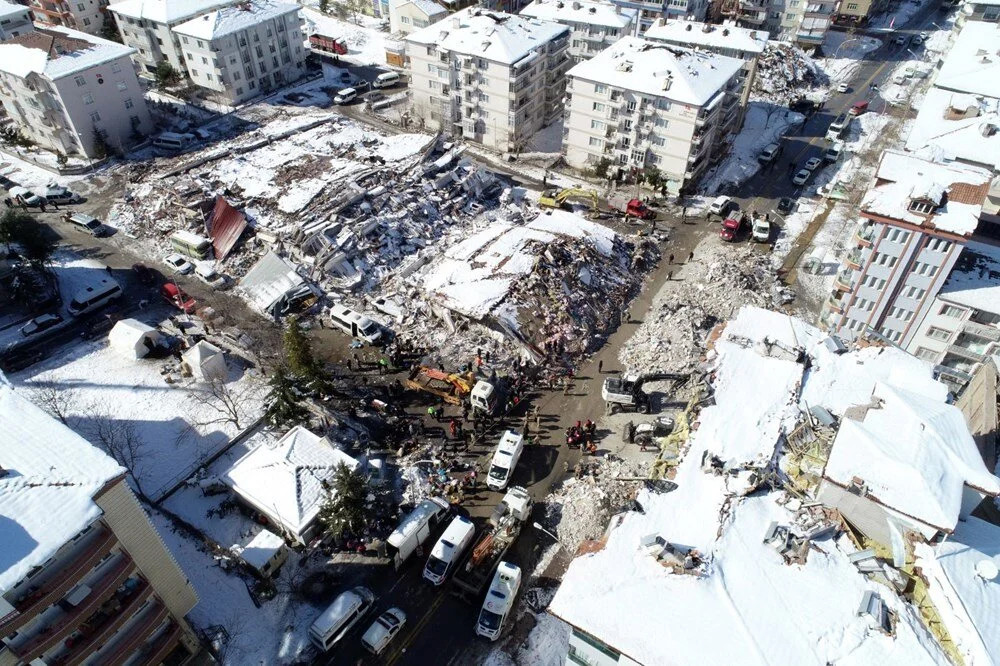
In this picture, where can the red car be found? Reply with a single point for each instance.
(730, 228)
(174, 295)
(858, 108)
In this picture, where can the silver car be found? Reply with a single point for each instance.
(383, 630)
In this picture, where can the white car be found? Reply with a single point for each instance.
(383, 630)
(802, 176)
(178, 263)
(813, 163)
(843, 88)
(207, 274)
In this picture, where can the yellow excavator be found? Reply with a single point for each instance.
(558, 198)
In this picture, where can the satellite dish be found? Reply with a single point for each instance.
(987, 570)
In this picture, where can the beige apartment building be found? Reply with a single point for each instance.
(405, 16)
(84, 576)
(857, 12)
(83, 15)
(640, 104)
(596, 25)
(245, 50)
(63, 89)
(14, 20)
(488, 77)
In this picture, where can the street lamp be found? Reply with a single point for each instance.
(848, 41)
(539, 527)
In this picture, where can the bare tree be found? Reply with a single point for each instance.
(120, 439)
(226, 403)
(60, 403)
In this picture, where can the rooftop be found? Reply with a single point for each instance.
(973, 63)
(55, 52)
(227, 20)
(166, 11)
(902, 178)
(974, 282)
(495, 36)
(46, 494)
(590, 12)
(957, 126)
(7, 9)
(261, 548)
(677, 73)
(428, 7)
(710, 36)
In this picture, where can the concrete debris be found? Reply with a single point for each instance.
(783, 72)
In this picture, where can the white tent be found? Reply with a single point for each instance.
(132, 338)
(206, 362)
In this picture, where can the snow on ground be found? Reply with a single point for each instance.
(365, 43)
(844, 54)
(765, 123)
(897, 19)
(27, 174)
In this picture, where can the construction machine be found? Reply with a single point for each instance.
(625, 394)
(553, 198)
(451, 387)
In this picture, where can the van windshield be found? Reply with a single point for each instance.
(436, 566)
(498, 472)
(490, 620)
(370, 328)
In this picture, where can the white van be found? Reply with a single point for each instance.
(720, 205)
(345, 96)
(415, 529)
(94, 297)
(505, 459)
(355, 324)
(499, 600)
(174, 141)
(448, 549)
(387, 80)
(345, 611)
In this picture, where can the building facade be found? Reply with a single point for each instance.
(14, 20)
(146, 25)
(246, 50)
(79, 90)
(651, 10)
(640, 104)
(915, 220)
(83, 15)
(987, 11)
(405, 16)
(491, 78)
(857, 12)
(806, 22)
(595, 25)
(95, 582)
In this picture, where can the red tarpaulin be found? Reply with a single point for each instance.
(225, 225)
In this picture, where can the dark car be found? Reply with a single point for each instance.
(41, 324)
(803, 105)
(786, 205)
(144, 273)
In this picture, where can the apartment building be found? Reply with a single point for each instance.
(595, 25)
(857, 12)
(64, 89)
(84, 576)
(488, 77)
(146, 26)
(245, 50)
(14, 20)
(640, 104)
(727, 39)
(83, 15)
(806, 22)
(651, 10)
(985, 11)
(916, 218)
(405, 16)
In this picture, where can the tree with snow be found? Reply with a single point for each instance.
(300, 359)
(346, 509)
(283, 399)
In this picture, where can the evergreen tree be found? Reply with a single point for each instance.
(307, 371)
(346, 509)
(283, 399)
(37, 244)
(166, 75)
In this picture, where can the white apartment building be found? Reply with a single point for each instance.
(641, 104)
(83, 15)
(962, 329)
(62, 87)
(492, 78)
(916, 218)
(651, 10)
(727, 39)
(405, 16)
(806, 22)
(145, 25)
(245, 50)
(14, 20)
(595, 25)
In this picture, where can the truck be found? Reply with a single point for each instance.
(517, 502)
(631, 206)
(452, 387)
(626, 394)
(325, 44)
(488, 397)
(415, 529)
(476, 570)
(553, 198)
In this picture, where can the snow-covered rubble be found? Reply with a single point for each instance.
(785, 71)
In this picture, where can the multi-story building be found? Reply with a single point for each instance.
(67, 90)
(145, 25)
(245, 50)
(857, 12)
(405, 16)
(640, 104)
(492, 78)
(595, 25)
(916, 218)
(83, 15)
(14, 20)
(727, 39)
(987, 11)
(806, 22)
(651, 10)
(84, 576)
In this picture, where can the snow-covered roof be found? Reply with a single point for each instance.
(261, 548)
(50, 477)
(428, 7)
(679, 74)
(269, 279)
(902, 178)
(285, 479)
(963, 594)
(55, 52)
(974, 282)
(495, 36)
(914, 454)
(941, 132)
(589, 12)
(972, 64)
(227, 20)
(707, 35)
(7, 10)
(166, 11)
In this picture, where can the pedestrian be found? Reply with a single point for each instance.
(453, 428)
(684, 213)
(691, 256)
(670, 259)
(7, 202)
(55, 206)
(108, 269)
(670, 275)
(538, 421)
(42, 206)
(600, 366)
(566, 385)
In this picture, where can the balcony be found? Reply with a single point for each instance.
(966, 353)
(982, 331)
(99, 628)
(837, 303)
(61, 626)
(50, 590)
(855, 258)
(156, 651)
(959, 376)
(844, 279)
(865, 234)
(119, 651)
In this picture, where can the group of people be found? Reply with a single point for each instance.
(582, 435)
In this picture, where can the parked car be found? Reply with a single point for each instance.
(785, 205)
(88, 222)
(918, 40)
(832, 154)
(858, 108)
(843, 88)
(761, 231)
(770, 153)
(174, 295)
(58, 194)
(720, 205)
(345, 96)
(146, 275)
(207, 274)
(40, 324)
(801, 176)
(813, 163)
(178, 263)
(731, 228)
(23, 194)
(901, 40)
(340, 617)
(383, 629)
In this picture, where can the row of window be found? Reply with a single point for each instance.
(81, 80)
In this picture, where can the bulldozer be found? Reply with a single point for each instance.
(553, 198)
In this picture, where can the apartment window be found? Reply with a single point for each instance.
(661, 122)
(88, 99)
(597, 124)
(789, 16)
(184, 40)
(601, 89)
(898, 235)
(663, 104)
(861, 303)
(630, 106)
(80, 81)
(239, 91)
(433, 85)
(935, 333)
(939, 245)
(236, 76)
(913, 292)
(483, 97)
(432, 68)
(80, 7)
(200, 45)
(208, 76)
(925, 354)
(121, 85)
(116, 68)
(852, 5)
(95, 117)
(595, 142)
(204, 60)
(658, 140)
(128, 103)
(135, 121)
(405, 20)
(252, 84)
(622, 159)
(883, 259)
(599, 107)
(86, 21)
(638, 156)
(952, 311)
(260, 52)
(921, 207)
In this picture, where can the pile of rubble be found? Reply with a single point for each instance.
(709, 289)
(784, 72)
